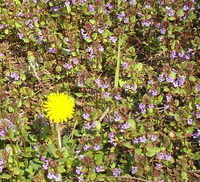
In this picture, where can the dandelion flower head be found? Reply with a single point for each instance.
(59, 107)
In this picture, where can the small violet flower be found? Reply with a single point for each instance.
(116, 172)
(134, 170)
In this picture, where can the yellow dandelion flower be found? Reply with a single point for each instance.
(59, 107)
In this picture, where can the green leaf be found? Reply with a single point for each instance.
(121, 82)
(192, 78)
(99, 158)
(138, 151)
(88, 40)
(92, 175)
(92, 21)
(17, 25)
(10, 109)
(152, 151)
(132, 123)
(180, 12)
(5, 176)
(6, 31)
(128, 145)
(138, 67)
(184, 175)
(17, 1)
(68, 9)
(61, 169)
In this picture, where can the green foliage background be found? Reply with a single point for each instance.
(111, 56)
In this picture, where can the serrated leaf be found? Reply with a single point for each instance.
(128, 145)
(180, 12)
(132, 123)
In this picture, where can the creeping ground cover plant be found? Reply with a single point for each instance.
(104, 90)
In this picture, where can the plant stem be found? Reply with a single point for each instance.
(58, 135)
(72, 133)
(118, 63)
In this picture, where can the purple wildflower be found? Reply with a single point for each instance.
(146, 23)
(97, 147)
(106, 94)
(112, 139)
(91, 8)
(57, 177)
(99, 169)
(125, 126)
(181, 80)
(169, 79)
(168, 157)
(113, 39)
(154, 92)
(197, 115)
(100, 31)
(147, 6)
(134, 88)
(143, 111)
(86, 116)
(78, 170)
(86, 147)
(116, 172)
(14, 76)
(166, 107)
(121, 16)
(101, 49)
(51, 50)
(118, 97)
(142, 105)
(153, 138)
(2, 133)
(172, 54)
(180, 54)
(161, 78)
(185, 8)
(45, 165)
(134, 170)
(168, 97)
(20, 35)
(151, 106)
(80, 179)
(81, 157)
(75, 61)
(162, 30)
(50, 175)
(189, 121)
(117, 118)
(133, 2)
(143, 139)
(198, 106)
(93, 125)
(67, 3)
(125, 65)
(68, 66)
(158, 165)
(88, 126)
(126, 20)
(187, 56)
(196, 135)
(161, 156)
(135, 140)
(1, 54)
(170, 11)
(106, 85)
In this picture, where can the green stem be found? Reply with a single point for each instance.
(58, 135)
(118, 63)
(72, 133)
(118, 3)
